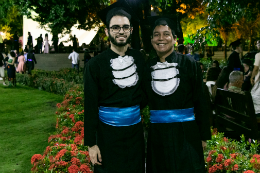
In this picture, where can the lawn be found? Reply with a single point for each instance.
(27, 118)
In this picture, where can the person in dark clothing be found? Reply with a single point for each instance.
(30, 61)
(30, 40)
(181, 48)
(179, 112)
(11, 73)
(39, 43)
(216, 64)
(209, 54)
(75, 43)
(87, 57)
(223, 78)
(234, 62)
(16, 42)
(55, 40)
(113, 130)
(247, 75)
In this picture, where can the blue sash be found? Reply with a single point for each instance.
(172, 116)
(120, 116)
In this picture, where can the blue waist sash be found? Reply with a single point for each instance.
(172, 116)
(29, 60)
(120, 116)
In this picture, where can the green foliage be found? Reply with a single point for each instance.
(227, 155)
(60, 16)
(53, 81)
(10, 17)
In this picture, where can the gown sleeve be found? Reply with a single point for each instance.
(201, 107)
(90, 103)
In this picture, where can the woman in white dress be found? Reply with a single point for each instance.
(46, 45)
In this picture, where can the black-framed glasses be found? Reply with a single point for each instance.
(116, 28)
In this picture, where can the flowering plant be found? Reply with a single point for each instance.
(227, 155)
(66, 152)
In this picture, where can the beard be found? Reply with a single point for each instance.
(119, 44)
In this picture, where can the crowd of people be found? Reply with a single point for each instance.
(13, 63)
(238, 76)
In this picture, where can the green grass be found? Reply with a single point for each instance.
(27, 118)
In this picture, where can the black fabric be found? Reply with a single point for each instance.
(246, 86)
(121, 7)
(1, 59)
(177, 147)
(172, 21)
(236, 43)
(234, 62)
(10, 72)
(30, 64)
(121, 147)
(170, 151)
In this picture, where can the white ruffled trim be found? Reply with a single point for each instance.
(122, 63)
(162, 71)
(115, 81)
(165, 64)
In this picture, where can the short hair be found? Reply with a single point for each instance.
(235, 76)
(216, 62)
(212, 74)
(181, 48)
(118, 11)
(12, 54)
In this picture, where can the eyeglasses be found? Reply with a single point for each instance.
(116, 28)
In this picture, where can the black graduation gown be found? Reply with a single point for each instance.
(177, 147)
(16, 42)
(234, 62)
(30, 64)
(122, 148)
(29, 42)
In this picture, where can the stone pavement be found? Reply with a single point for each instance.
(55, 61)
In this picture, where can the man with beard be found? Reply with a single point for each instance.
(112, 86)
(179, 113)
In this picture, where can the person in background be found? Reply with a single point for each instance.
(31, 60)
(216, 64)
(74, 56)
(46, 45)
(16, 42)
(256, 72)
(192, 54)
(75, 43)
(2, 72)
(236, 81)
(181, 49)
(30, 40)
(22, 65)
(234, 62)
(87, 57)
(210, 54)
(55, 40)
(39, 43)
(16, 58)
(247, 75)
(25, 53)
(11, 73)
(212, 76)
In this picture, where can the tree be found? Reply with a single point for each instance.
(60, 16)
(11, 19)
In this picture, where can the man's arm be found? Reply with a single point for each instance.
(91, 110)
(254, 73)
(201, 107)
(70, 56)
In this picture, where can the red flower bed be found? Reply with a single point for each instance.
(66, 152)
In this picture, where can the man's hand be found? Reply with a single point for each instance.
(95, 155)
(204, 144)
(252, 81)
